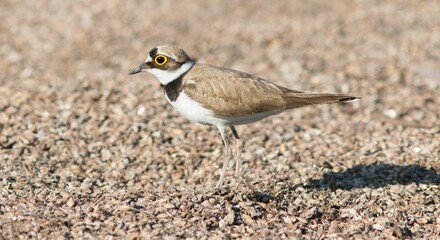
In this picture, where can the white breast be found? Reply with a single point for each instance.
(194, 111)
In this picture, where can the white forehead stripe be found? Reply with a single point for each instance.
(149, 59)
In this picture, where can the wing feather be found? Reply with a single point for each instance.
(231, 93)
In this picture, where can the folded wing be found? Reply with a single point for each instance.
(233, 93)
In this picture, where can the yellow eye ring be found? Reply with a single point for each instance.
(160, 60)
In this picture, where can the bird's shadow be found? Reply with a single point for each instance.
(375, 176)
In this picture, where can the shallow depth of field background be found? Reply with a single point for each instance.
(88, 151)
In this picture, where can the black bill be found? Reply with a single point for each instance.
(138, 69)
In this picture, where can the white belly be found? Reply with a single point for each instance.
(239, 120)
(194, 111)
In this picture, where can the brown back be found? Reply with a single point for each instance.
(232, 93)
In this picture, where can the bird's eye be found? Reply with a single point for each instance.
(160, 60)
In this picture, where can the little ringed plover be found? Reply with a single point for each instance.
(223, 97)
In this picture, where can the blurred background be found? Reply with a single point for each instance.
(71, 118)
(65, 88)
(66, 93)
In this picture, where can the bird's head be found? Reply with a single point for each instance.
(166, 63)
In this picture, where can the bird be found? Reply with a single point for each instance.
(223, 97)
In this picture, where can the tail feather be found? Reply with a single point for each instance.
(302, 99)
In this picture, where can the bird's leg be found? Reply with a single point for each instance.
(227, 156)
(238, 151)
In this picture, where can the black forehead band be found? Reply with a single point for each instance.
(153, 52)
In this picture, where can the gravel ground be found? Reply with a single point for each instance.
(87, 151)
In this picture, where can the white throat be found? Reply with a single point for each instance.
(166, 77)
